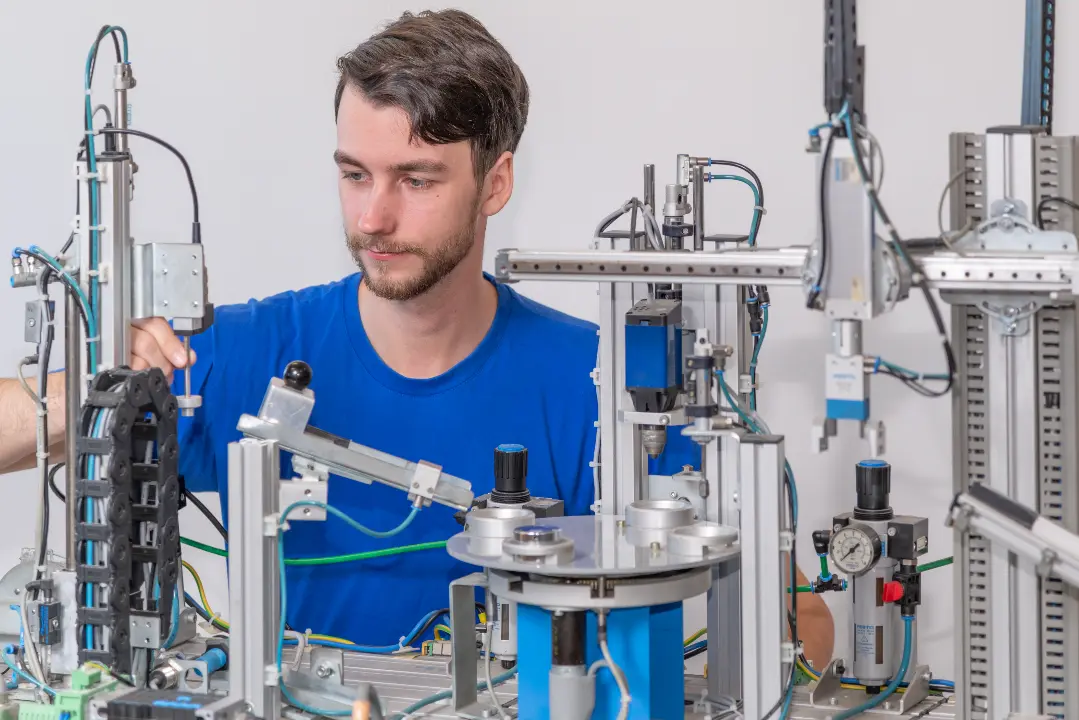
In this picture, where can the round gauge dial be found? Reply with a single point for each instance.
(855, 549)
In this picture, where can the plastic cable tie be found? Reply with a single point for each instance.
(876, 365)
(761, 209)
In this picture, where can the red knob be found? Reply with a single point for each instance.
(893, 592)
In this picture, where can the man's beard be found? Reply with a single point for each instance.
(436, 263)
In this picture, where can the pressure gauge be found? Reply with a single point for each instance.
(855, 549)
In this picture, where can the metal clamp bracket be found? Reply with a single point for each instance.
(425, 478)
(1011, 320)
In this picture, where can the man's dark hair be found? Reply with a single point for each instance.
(450, 76)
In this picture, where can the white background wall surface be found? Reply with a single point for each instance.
(244, 88)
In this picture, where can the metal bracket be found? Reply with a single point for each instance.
(464, 655)
(34, 322)
(328, 665)
(199, 667)
(822, 430)
(873, 432)
(828, 686)
(1045, 567)
(674, 417)
(145, 632)
(1011, 320)
(329, 692)
(917, 689)
(424, 480)
(293, 491)
(308, 469)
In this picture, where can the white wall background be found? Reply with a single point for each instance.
(245, 88)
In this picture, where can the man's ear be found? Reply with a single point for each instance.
(498, 185)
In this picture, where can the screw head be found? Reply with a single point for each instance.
(891, 532)
(833, 701)
(656, 547)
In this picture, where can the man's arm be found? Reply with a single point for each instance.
(153, 344)
(816, 629)
(18, 422)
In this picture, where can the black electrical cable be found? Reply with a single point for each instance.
(52, 482)
(695, 652)
(196, 233)
(1053, 199)
(760, 189)
(206, 512)
(918, 276)
(435, 618)
(911, 382)
(44, 350)
(201, 612)
(822, 267)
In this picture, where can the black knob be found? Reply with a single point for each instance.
(820, 541)
(511, 469)
(874, 484)
(298, 375)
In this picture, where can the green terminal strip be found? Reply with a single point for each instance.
(71, 703)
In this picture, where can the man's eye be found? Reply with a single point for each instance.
(354, 176)
(419, 183)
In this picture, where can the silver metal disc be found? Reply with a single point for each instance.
(603, 546)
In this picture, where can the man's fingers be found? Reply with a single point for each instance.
(171, 347)
(145, 348)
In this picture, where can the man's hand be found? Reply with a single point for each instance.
(153, 344)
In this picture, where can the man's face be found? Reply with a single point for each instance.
(410, 209)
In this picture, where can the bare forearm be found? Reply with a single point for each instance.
(816, 628)
(18, 422)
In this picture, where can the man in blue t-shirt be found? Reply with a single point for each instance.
(419, 354)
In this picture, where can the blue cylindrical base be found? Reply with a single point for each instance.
(646, 643)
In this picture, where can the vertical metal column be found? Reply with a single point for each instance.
(254, 600)
(73, 402)
(763, 608)
(114, 261)
(1014, 430)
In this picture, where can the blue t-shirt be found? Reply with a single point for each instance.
(527, 382)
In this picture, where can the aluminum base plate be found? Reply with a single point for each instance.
(401, 681)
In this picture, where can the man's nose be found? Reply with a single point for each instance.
(379, 216)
